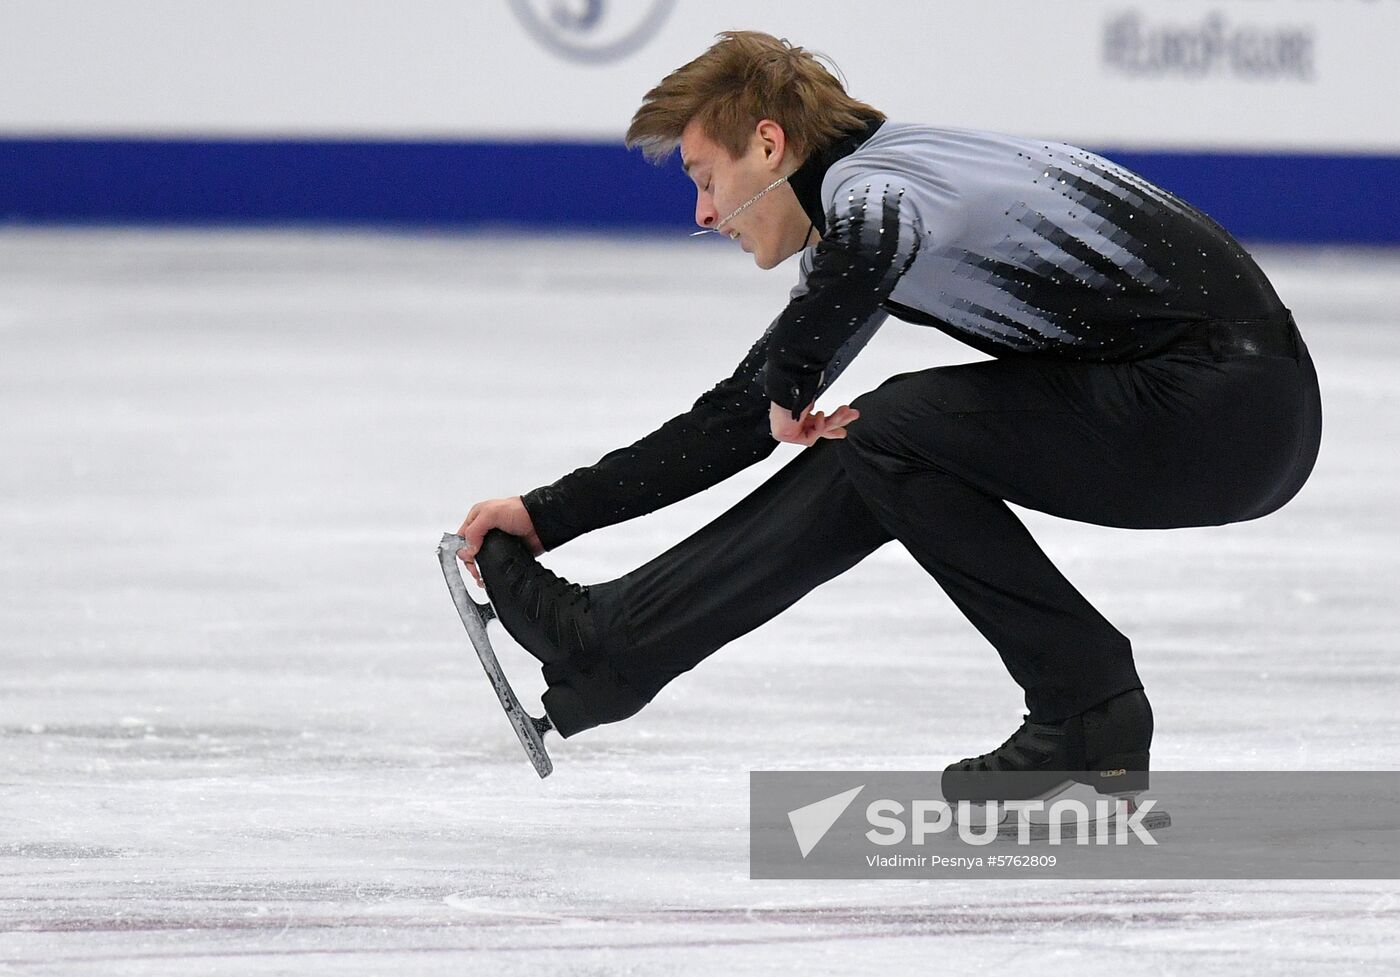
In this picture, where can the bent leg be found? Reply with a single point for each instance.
(1056, 645)
(1178, 440)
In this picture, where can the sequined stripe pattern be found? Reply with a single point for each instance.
(854, 269)
(1092, 261)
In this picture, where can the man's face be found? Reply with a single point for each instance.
(774, 227)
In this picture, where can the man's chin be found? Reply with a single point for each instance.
(767, 261)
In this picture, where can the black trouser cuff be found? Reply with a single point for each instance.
(579, 699)
(1067, 704)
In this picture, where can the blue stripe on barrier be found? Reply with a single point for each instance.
(1313, 199)
(269, 182)
(1262, 197)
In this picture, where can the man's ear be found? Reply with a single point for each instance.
(774, 140)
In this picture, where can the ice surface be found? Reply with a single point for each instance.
(241, 731)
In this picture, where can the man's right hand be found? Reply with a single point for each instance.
(507, 515)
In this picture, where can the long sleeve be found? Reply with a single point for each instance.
(726, 431)
(872, 237)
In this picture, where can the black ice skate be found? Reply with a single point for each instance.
(564, 626)
(1106, 748)
(475, 617)
(547, 615)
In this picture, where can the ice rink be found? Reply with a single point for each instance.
(242, 731)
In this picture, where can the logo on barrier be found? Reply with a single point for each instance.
(592, 31)
(1136, 45)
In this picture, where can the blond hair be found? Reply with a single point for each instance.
(746, 76)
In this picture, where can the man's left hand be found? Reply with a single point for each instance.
(809, 427)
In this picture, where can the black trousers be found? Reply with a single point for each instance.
(1205, 434)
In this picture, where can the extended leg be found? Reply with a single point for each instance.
(802, 527)
(609, 648)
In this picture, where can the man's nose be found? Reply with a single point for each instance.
(705, 213)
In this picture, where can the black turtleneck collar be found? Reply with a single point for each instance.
(806, 180)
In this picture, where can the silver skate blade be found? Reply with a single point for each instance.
(1094, 814)
(1010, 827)
(474, 617)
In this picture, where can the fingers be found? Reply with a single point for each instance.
(844, 415)
(815, 425)
(835, 426)
(471, 514)
(481, 519)
(804, 433)
(467, 554)
(472, 531)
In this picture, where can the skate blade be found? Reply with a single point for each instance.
(1104, 812)
(475, 616)
(1010, 827)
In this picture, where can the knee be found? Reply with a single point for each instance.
(879, 420)
(900, 431)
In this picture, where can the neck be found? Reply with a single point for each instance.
(807, 179)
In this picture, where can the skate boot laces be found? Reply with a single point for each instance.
(1031, 746)
(572, 595)
(549, 585)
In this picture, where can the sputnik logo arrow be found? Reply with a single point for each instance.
(811, 823)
